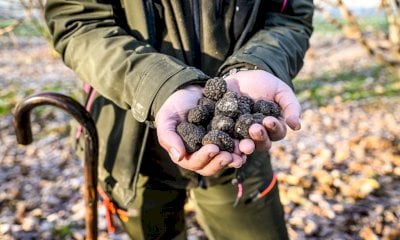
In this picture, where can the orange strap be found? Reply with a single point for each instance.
(111, 208)
(269, 188)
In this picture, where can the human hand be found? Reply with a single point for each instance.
(259, 84)
(208, 160)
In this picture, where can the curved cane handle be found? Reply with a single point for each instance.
(22, 125)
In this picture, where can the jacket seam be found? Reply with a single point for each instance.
(144, 108)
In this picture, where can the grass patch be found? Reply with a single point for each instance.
(14, 94)
(374, 23)
(371, 23)
(10, 97)
(63, 231)
(375, 81)
(5, 102)
(31, 28)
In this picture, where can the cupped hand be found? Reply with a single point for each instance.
(259, 84)
(208, 160)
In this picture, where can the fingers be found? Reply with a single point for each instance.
(166, 122)
(170, 140)
(208, 164)
(246, 146)
(262, 141)
(276, 129)
(201, 158)
(291, 107)
(215, 164)
(171, 113)
(292, 116)
(238, 160)
(206, 161)
(263, 135)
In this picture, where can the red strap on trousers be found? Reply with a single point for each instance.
(111, 209)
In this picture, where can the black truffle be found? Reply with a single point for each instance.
(221, 139)
(222, 123)
(191, 135)
(268, 108)
(215, 88)
(209, 103)
(245, 105)
(199, 115)
(258, 118)
(228, 105)
(243, 124)
(222, 116)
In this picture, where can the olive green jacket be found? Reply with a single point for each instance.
(135, 53)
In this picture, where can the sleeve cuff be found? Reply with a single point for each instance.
(161, 80)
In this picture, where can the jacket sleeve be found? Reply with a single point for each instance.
(279, 47)
(122, 68)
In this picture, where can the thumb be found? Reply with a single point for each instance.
(292, 120)
(169, 139)
(290, 106)
(172, 143)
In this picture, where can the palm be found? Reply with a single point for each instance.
(259, 84)
(179, 103)
(209, 159)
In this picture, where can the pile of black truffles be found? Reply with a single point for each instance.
(222, 116)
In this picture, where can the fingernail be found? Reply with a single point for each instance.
(297, 126)
(272, 125)
(293, 123)
(223, 163)
(212, 154)
(244, 156)
(174, 154)
(261, 134)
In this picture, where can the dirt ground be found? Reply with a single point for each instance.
(339, 176)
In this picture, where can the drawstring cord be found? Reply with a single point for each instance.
(91, 93)
(238, 182)
(239, 194)
(139, 163)
(262, 191)
(254, 196)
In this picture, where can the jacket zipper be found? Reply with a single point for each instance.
(196, 26)
(150, 19)
(249, 26)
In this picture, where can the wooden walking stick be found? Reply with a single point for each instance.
(23, 131)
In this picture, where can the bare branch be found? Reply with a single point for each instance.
(11, 27)
(353, 30)
(329, 18)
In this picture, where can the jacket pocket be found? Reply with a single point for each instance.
(120, 141)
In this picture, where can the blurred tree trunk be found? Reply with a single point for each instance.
(30, 8)
(392, 10)
(351, 28)
(33, 12)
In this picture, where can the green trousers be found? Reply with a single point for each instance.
(157, 212)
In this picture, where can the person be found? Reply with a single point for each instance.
(144, 65)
